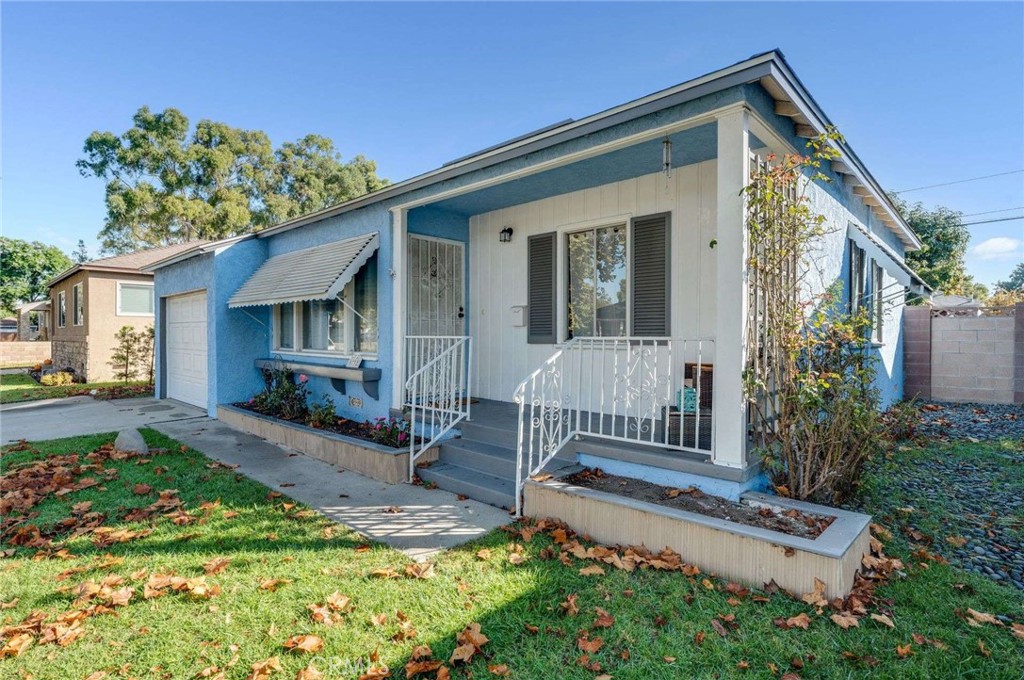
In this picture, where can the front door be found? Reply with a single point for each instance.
(436, 294)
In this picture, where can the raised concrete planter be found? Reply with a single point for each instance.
(367, 458)
(738, 552)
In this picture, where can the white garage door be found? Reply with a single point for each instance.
(186, 348)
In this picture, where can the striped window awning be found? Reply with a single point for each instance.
(317, 273)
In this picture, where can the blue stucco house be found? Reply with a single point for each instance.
(593, 272)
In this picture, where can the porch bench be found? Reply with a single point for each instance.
(369, 378)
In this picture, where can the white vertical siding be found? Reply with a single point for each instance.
(502, 357)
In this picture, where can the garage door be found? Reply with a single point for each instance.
(186, 348)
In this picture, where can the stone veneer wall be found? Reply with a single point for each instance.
(962, 356)
(72, 354)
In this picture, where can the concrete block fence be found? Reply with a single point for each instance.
(964, 354)
(24, 353)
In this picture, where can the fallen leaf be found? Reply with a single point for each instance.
(801, 620)
(588, 645)
(421, 570)
(845, 620)
(216, 565)
(592, 570)
(604, 619)
(719, 628)
(309, 673)
(500, 670)
(903, 651)
(272, 584)
(569, 606)
(304, 643)
(483, 554)
(884, 620)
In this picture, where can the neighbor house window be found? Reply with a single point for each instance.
(597, 283)
(877, 301)
(62, 309)
(858, 277)
(78, 304)
(346, 324)
(135, 299)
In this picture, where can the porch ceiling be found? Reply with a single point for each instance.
(693, 145)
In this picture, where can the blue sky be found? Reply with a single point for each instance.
(926, 92)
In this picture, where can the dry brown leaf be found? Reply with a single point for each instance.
(420, 570)
(569, 606)
(500, 669)
(483, 554)
(415, 667)
(308, 644)
(588, 645)
(801, 620)
(816, 598)
(262, 669)
(604, 619)
(982, 617)
(884, 620)
(903, 651)
(592, 570)
(309, 673)
(845, 620)
(463, 653)
(216, 565)
(272, 584)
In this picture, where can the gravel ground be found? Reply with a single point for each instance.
(984, 422)
(964, 501)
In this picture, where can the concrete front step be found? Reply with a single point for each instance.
(496, 491)
(490, 459)
(499, 434)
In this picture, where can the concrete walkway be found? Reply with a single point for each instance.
(75, 416)
(429, 521)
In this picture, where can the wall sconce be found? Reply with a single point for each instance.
(666, 157)
(505, 235)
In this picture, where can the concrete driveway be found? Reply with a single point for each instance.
(75, 416)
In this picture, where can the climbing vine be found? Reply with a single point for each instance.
(809, 377)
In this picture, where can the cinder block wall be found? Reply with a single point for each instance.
(1018, 353)
(973, 358)
(24, 353)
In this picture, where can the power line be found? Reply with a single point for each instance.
(959, 181)
(989, 212)
(1000, 219)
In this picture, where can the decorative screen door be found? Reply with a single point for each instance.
(436, 302)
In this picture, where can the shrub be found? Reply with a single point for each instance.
(56, 379)
(322, 414)
(810, 377)
(392, 432)
(47, 362)
(37, 368)
(282, 398)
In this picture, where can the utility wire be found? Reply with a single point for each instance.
(989, 212)
(1001, 219)
(959, 181)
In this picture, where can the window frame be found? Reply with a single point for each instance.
(858, 277)
(62, 309)
(78, 304)
(565, 279)
(118, 311)
(349, 325)
(877, 303)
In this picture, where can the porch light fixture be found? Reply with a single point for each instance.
(666, 157)
(505, 235)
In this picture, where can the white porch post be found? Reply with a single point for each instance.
(398, 294)
(731, 326)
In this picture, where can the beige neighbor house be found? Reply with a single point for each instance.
(91, 301)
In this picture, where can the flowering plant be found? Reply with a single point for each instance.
(390, 431)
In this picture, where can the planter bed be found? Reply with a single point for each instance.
(732, 549)
(351, 453)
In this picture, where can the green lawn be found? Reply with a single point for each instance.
(661, 627)
(21, 387)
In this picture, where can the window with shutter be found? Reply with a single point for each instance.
(541, 289)
(649, 270)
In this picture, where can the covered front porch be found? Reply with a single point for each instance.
(598, 301)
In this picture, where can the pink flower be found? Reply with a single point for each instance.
(303, 377)
(401, 437)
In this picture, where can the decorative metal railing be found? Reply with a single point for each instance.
(649, 391)
(437, 389)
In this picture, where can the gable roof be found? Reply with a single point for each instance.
(132, 263)
(769, 69)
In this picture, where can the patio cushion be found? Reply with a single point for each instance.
(317, 273)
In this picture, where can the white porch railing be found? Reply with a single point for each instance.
(437, 389)
(651, 391)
